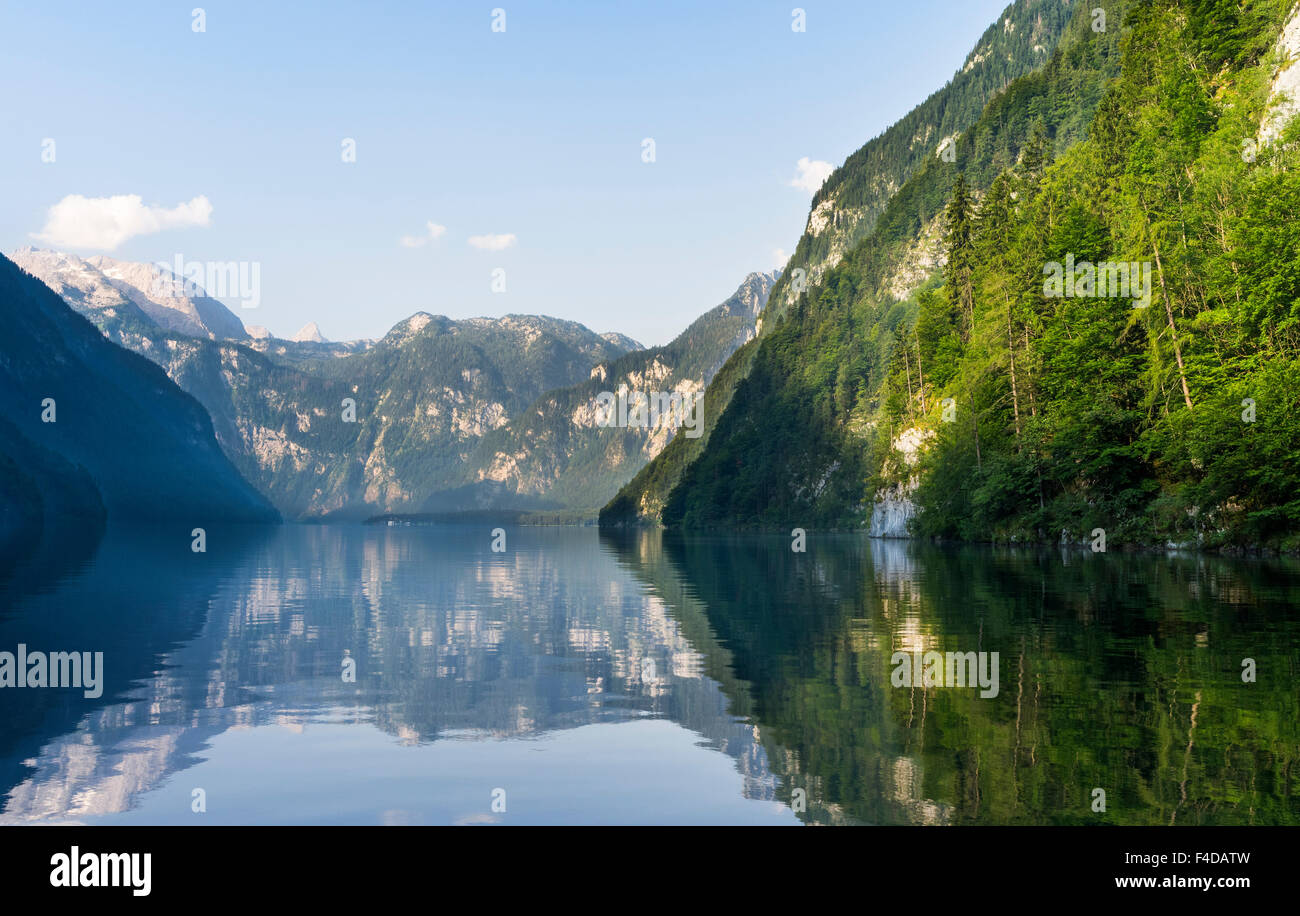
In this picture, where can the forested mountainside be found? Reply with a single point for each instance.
(557, 454)
(859, 193)
(1035, 407)
(846, 207)
(91, 429)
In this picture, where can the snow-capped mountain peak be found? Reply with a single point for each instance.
(147, 290)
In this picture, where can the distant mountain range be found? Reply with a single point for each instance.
(439, 415)
(556, 453)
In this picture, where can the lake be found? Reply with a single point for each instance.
(412, 675)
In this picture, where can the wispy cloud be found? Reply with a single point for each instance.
(492, 242)
(779, 257)
(106, 222)
(432, 233)
(810, 174)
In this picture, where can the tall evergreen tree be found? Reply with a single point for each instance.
(961, 260)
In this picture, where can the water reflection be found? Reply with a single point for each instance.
(645, 678)
(1119, 673)
(548, 669)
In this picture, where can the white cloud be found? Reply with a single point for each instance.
(779, 258)
(432, 233)
(492, 242)
(106, 222)
(810, 174)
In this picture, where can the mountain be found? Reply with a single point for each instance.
(38, 485)
(854, 198)
(310, 333)
(622, 341)
(123, 439)
(302, 352)
(133, 290)
(556, 454)
(439, 406)
(989, 403)
(846, 207)
(161, 294)
(427, 393)
(421, 397)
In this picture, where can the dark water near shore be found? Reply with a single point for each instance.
(644, 678)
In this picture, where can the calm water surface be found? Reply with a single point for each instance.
(643, 678)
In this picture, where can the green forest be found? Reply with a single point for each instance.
(1051, 416)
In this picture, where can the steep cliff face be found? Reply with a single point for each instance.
(89, 427)
(1284, 93)
(893, 508)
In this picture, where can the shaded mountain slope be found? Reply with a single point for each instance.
(121, 429)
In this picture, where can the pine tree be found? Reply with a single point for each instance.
(960, 271)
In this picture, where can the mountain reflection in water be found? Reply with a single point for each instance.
(644, 678)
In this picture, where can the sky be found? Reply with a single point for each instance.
(495, 171)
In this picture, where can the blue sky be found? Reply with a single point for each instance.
(535, 132)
